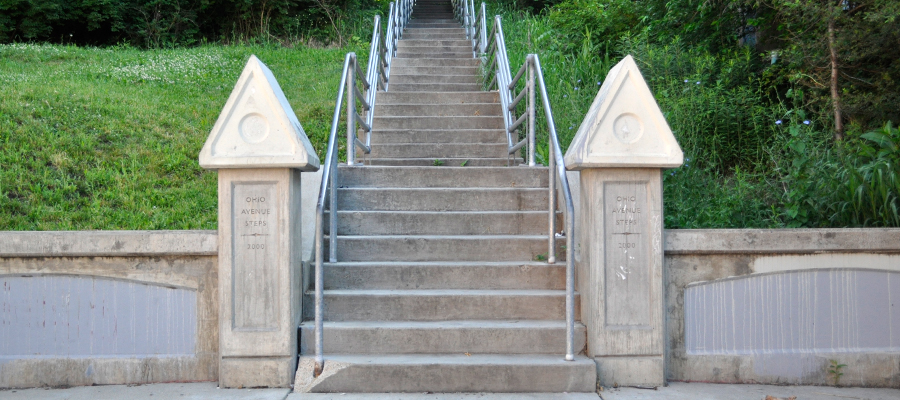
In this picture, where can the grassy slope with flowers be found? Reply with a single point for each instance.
(108, 138)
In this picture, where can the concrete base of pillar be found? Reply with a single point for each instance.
(631, 371)
(251, 372)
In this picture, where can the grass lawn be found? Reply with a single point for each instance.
(108, 138)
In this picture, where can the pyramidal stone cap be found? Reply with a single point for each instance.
(624, 127)
(257, 127)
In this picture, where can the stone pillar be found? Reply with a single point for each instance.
(620, 149)
(259, 148)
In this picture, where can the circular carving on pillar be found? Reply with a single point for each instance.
(253, 128)
(628, 128)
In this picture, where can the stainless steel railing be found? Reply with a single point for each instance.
(377, 76)
(501, 79)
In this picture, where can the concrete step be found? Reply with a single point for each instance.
(432, 12)
(409, 54)
(440, 13)
(435, 62)
(417, 20)
(433, 25)
(446, 31)
(417, 78)
(436, 150)
(439, 110)
(383, 136)
(435, 87)
(451, 70)
(442, 223)
(435, 47)
(426, 33)
(393, 275)
(391, 97)
(441, 305)
(470, 162)
(442, 248)
(449, 373)
(406, 43)
(443, 199)
(446, 176)
(467, 122)
(449, 396)
(441, 337)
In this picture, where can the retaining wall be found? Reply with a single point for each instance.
(742, 306)
(108, 307)
(776, 306)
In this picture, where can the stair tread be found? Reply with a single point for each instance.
(452, 212)
(446, 324)
(462, 359)
(443, 263)
(445, 292)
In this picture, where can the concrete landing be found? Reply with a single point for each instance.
(712, 391)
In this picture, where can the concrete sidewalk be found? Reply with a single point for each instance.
(675, 391)
(712, 391)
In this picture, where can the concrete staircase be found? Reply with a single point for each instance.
(437, 288)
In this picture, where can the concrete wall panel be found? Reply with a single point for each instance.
(78, 316)
(809, 311)
(115, 308)
(802, 279)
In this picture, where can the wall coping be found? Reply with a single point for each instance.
(677, 241)
(108, 243)
(782, 241)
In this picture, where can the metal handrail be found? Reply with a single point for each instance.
(495, 46)
(381, 52)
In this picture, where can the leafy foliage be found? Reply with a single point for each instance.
(171, 23)
(731, 78)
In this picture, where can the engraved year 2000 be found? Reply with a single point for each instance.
(256, 247)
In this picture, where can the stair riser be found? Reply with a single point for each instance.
(441, 110)
(441, 43)
(447, 176)
(472, 122)
(458, 35)
(435, 62)
(397, 79)
(435, 87)
(428, 25)
(434, 14)
(443, 54)
(441, 248)
(435, 47)
(396, 276)
(426, 21)
(525, 377)
(385, 98)
(437, 150)
(393, 223)
(441, 199)
(438, 136)
(423, 162)
(440, 341)
(467, 70)
(364, 307)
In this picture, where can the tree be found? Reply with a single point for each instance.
(847, 53)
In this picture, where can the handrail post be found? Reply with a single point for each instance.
(531, 107)
(351, 112)
(483, 39)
